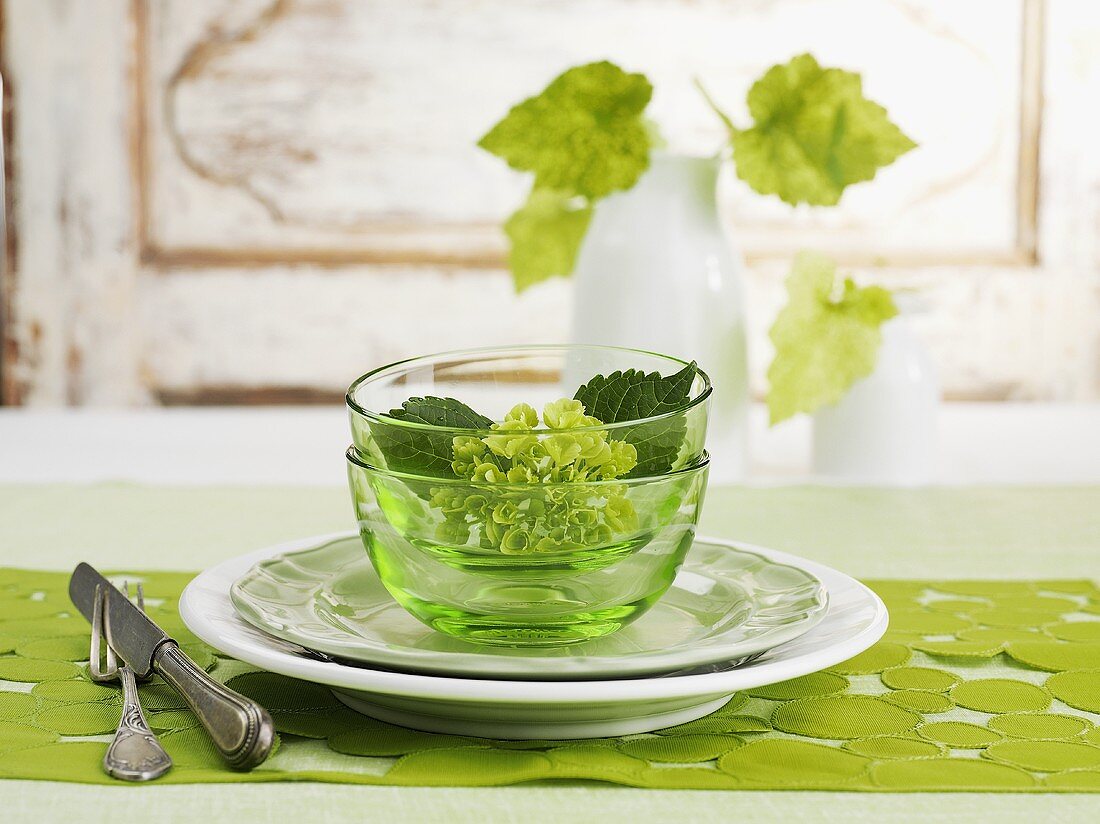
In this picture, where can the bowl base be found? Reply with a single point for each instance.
(509, 626)
(519, 722)
(494, 631)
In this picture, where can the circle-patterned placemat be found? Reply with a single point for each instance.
(977, 686)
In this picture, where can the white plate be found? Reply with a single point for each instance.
(726, 604)
(855, 619)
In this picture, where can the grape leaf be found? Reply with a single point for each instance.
(826, 337)
(546, 235)
(585, 134)
(424, 451)
(633, 394)
(814, 134)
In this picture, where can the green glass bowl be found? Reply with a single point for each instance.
(492, 381)
(588, 581)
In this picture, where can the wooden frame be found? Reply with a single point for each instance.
(1024, 252)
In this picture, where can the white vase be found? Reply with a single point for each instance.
(656, 272)
(884, 428)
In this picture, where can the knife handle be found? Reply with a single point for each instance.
(240, 728)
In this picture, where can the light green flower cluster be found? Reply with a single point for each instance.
(559, 508)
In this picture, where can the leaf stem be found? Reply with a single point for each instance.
(732, 129)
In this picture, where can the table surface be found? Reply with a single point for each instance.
(278, 480)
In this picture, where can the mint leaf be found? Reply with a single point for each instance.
(624, 396)
(633, 394)
(419, 451)
(546, 235)
(814, 134)
(826, 337)
(584, 134)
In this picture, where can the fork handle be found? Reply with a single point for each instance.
(240, 728)
(135, 754)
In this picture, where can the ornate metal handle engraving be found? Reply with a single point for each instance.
(135, 754)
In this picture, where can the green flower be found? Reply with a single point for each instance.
(624, 457)
(595, 450)
(506, 512)
(562, 449)
(476, 503)
(452, 532)
(619, 514)
(489, 473)
(468, 453)
(516, 541)
(547, 505)
(584, 517)
(512, 442)
(492, 533)
(566, 413)
(523, 475)
(523, 413)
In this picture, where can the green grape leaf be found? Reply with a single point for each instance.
(633, 394)
(814, 134)
(424, 451)
(546, 234)
(826, 337)
(584, 134)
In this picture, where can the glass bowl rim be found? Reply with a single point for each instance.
(378, 417)
(354, 456)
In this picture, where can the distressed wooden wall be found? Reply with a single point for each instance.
(256, 200)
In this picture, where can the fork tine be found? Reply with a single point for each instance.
(112, 659)
(141, 606)
(96, 668)
(94, 658)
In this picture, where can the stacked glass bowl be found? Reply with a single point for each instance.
(535, 495)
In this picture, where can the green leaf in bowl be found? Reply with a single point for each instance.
(420, 451)
(633, 395)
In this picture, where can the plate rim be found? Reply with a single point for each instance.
(497, 691)
(653, 662)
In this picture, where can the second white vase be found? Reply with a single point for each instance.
(883, 430)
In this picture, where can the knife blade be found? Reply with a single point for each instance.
(240, 728)
(130, 632)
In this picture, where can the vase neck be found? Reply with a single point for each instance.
(676, 182)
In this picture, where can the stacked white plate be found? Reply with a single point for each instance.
(737, 616)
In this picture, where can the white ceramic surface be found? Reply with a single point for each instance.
(725, 604)
(855, 619)
(657, 272)
(883, 430)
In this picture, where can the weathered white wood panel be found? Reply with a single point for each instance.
(1069, 196)
(317, 125)
(319, 329)
(213, 197)
(68, 70)
(995, 333)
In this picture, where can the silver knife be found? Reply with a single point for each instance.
(241, 729)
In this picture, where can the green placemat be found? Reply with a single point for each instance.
(978, 686)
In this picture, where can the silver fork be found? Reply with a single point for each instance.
(135, 753)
